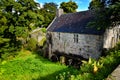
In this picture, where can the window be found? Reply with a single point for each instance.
(76, 38)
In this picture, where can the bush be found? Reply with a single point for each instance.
(96, 70)
(32, 44)
(8, 53)
(43, 30)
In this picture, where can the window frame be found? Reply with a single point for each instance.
(75, 38)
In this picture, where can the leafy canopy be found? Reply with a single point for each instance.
(17, 19)
(69, 7)
(107, 13)
(49, 12)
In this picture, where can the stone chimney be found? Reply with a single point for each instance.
(59, 12)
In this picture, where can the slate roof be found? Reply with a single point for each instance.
(75, 23)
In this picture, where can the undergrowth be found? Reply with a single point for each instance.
(96, 70)
(29, 66)
(26, 65)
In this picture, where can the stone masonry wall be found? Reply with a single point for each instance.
(86, 46)
(111, 37)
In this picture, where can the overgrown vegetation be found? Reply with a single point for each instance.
(26, 65)
(69, 7)
(36, 40)
(96, 70)
(29, 66)
(107, 13)
(19, 17)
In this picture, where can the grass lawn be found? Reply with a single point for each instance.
(29, 66)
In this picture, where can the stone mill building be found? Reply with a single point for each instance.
(70, 35)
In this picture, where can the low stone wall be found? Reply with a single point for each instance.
(115, 75)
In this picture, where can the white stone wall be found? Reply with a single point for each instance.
(111, 37)
(37, 34)
(87, 46)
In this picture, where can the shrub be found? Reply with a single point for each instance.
(96, 70)
(43, 30)
(32, 44)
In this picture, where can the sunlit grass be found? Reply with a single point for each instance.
(28, 66)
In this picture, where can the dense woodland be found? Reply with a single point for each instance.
(17, 61)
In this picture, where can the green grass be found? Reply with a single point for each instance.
(96, 70)
(29, 66)
(25, 65)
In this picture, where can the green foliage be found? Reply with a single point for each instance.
(6, 51)
(97, 4)
(49, 12)
(32, 44)
(3, 45)
(37, 39)
(115, 12)
(3, 40)
(43, 30)
(20, 67)
(17, 19)
(69, 7)
(96, 70)
(107, 13)
(27, 66)
(51, 7)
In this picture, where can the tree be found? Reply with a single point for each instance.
(49, 12)
(107, 13)
(4, 42)
(97, 4)
(50, 7)
(17, 19)
(69, 7)
(114, 9)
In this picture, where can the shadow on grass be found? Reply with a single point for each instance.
(52, 76)
(55, 74)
